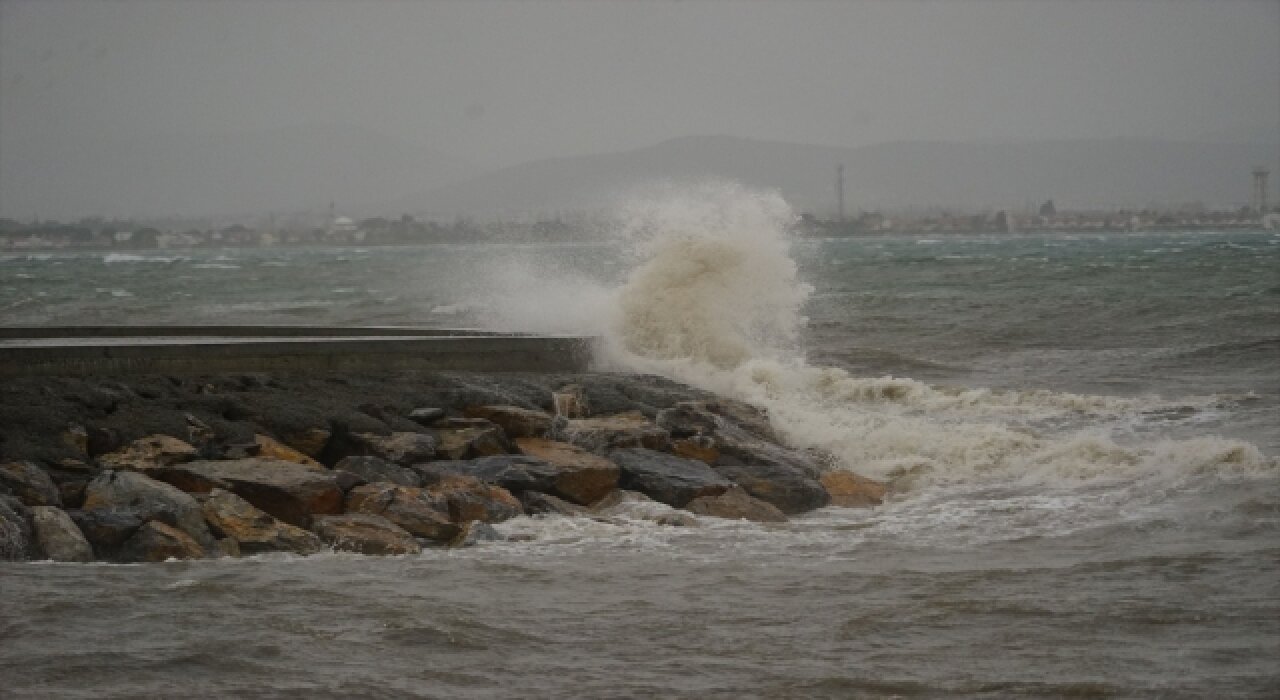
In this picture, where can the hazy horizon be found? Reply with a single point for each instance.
(123, 107)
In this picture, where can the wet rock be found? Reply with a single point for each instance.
(15, 529)
(536, 503)
(734, 442)
(270, 448)
(147, 453)
(77, 438)
(570, 401)
(474, 533)
(364, 534)
(254, 531)
(72, 476)
(106, 530)
(419, 512)
(699, 447)
(57, 537)
(310, 442)
(469, 498)
(579, 476)
(666, 478)
(481, 440)
(426, 416)
(150, 500)
(849, 490)
(404, 449)
(347, 481)
(736, 504)
(786, 487)
(288, 491)
(102, 440)
(617, 431)
(375, 469)
(516, 473)
(155, 542)
(516, 422)
(29, 483)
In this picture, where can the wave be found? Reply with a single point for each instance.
(117, 258)
(714, 299)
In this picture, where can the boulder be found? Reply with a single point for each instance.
(147, 453)
(150, 500)
(604, 433)
(469, 498)
(516, 473)
(364, 534)
(418, 511)
(786, 487)
(310, 441)
(472, 441)
(715, 425)
(516, 422)
(288, 491)
(699, 447)
(736, 504)
(106, 530)
(474, 533)
(15, 529)
(536, 503)
(426, 416)
(400, 448)
(270, 448)
(666, 478)
(72, 476)
(580, 476)
(29, 483)
(254, 531)
(57, 537)
(77, 438)
(849, 490)
(155, 541)
(373, 470)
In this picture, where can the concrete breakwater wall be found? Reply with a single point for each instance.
(108, 350)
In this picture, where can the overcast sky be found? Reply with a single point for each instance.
(499, 82)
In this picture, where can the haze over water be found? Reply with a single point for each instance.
(1080, 430)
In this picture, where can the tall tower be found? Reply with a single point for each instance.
(840, 193)
(1260, 190)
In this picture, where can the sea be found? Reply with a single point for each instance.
(1081, 433)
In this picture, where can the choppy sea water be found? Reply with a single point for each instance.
(1083, 431)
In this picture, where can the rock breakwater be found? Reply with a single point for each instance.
(152, 468)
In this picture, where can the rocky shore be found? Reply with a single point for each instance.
(152, 468)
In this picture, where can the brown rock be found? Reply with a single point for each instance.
(57, 537)
(270, 448)
(516, 422)
(416, 510)
(582, 477)
(309, 442)
(147, 453)
(252, 530)
(536, 503)
(851, 490)
(400, 448)
(471, 442)
(469, 498)
(698, 447)
(365, 534)
(604, 433)
(29, 483)
(289, 491)
(736, 504)
(155, 541)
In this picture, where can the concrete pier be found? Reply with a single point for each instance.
(108, 350)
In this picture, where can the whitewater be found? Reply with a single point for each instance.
(1079, 433)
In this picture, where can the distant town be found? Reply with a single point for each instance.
(97, 233)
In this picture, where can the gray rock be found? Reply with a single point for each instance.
(150, 499)
(252, 530)
(474, 533)
(515, 473)
(156, 542)
(426, 416)
(666, 478)
(57, 537)
(106, 529)
(29, 483)
(375, 469)
(788, 488)
(736, 504)
(15, 529)
(545, 504)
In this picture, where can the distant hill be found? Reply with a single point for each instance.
(208, 174)
(1081, 173)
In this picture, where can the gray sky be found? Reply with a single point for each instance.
(498, 82)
